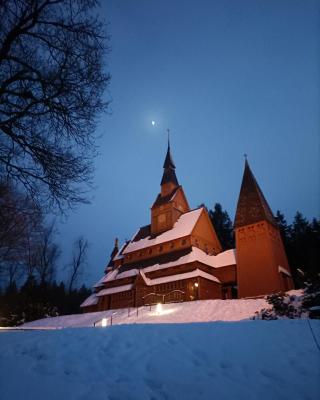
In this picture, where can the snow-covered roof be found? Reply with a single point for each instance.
(90, 301)
(220, 260)
(116, 289)
(100, 282)
(284, 271)
(119, 255)
(172, 278)
(110, 276)
(113, 275)
(183, 227)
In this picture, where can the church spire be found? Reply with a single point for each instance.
(171, 202)
(252, 206)
(169, 175)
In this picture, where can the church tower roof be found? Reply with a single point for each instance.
(252, 206)
(169, 174)
(114, 252)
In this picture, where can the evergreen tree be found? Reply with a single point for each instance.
(304, 250)
(284, 228)
(223, 226)
(300, 226)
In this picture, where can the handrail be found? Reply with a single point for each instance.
(163, 296)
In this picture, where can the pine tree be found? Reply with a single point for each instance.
(303, 248)
(284, 228)
(300, 226)
(223, 226)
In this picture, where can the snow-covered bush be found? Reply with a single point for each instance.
(28, 312)
(305, 304)
(283, 306)
(311, 297)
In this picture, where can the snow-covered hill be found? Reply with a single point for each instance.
(245, 360)
(196, 311)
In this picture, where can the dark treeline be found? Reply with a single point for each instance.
(29, 263)
(302, 243)
(34, 301)
(301, 239)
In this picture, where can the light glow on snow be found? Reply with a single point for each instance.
(159, 309)
(104, 322)
(153, 123)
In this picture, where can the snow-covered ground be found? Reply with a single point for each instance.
(247, 360)
(196, 311)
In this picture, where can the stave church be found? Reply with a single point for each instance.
(178, 256)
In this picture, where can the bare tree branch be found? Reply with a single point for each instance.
(51, 91)
(79, 258)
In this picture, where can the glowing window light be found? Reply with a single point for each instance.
(196, 284)
(159, 308)
(104, 322)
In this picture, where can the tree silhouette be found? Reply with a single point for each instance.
(223, 226)
(51, 86)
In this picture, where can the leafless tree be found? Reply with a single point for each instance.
(46, 255)
(51, 90)
(20, 220)
(79, 259)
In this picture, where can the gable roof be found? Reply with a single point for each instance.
(182, 227)
(252, 206)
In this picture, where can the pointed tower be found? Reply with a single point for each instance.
(171, 202)
(262, 265)
(169, 179)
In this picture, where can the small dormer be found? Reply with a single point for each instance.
(171, 202)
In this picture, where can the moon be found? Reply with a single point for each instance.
(153, 123)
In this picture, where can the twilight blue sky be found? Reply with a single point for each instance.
(228, 78)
